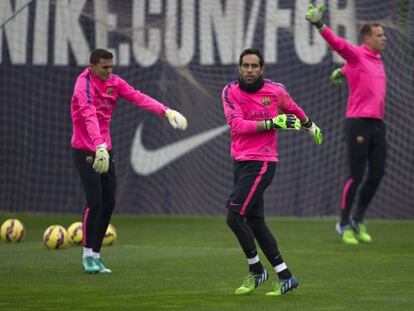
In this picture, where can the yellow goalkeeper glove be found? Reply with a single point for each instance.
(101, 163)
(336, 76)
(284, 122)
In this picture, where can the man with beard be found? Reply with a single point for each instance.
(251, 106)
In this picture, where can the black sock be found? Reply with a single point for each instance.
(344, 218)
(284, 274)
(256, 268)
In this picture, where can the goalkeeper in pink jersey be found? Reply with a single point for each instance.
(251, 106)
(364, 125)
(93, 102)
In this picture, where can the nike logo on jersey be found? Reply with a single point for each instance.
(146, 162)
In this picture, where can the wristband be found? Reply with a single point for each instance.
(269, 125)
(318, 24)
(307, 124)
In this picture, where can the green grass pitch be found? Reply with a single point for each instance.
(195, 263)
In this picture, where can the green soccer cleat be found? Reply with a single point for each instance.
(101, 266)
(89, 265)
(347, 234)
(348, 237)
(251, 282)
(284, 286)
(360, 232)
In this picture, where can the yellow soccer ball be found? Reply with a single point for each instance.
(110, 236)
(12, 230)
(75, 233)
(56, 237)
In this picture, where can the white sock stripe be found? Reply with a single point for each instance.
(253, 260)
(280, 267)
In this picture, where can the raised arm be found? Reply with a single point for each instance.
(345, 49)
(176, 119)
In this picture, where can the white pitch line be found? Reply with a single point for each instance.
(233, 250)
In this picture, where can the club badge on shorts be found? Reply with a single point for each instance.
(360, 139)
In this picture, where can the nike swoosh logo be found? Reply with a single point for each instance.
(146, 162)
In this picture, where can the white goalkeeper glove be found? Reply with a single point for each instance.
(176, 119)
(101, 163)
(314, 15)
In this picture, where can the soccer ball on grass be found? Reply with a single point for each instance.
(110, 236)
(12, 230)
(56, 237)
(75, 233)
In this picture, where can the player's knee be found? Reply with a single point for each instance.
(108, 207)
(95, 203)
(356, 178)
(233, 219)
(376, 176)
(107, 211)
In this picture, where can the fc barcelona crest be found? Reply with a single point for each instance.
(266, 100)
(110, 90)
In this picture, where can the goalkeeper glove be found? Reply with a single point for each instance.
(314, 131)
(101, 163)
(336, 76)
(176, 119)
(284, 122)
(314, 15)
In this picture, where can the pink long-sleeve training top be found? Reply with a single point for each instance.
(366, 77)
(243, 110)
(93, 103)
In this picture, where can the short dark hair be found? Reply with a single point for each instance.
(97, 54)
(366, 29)
(252, 51)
